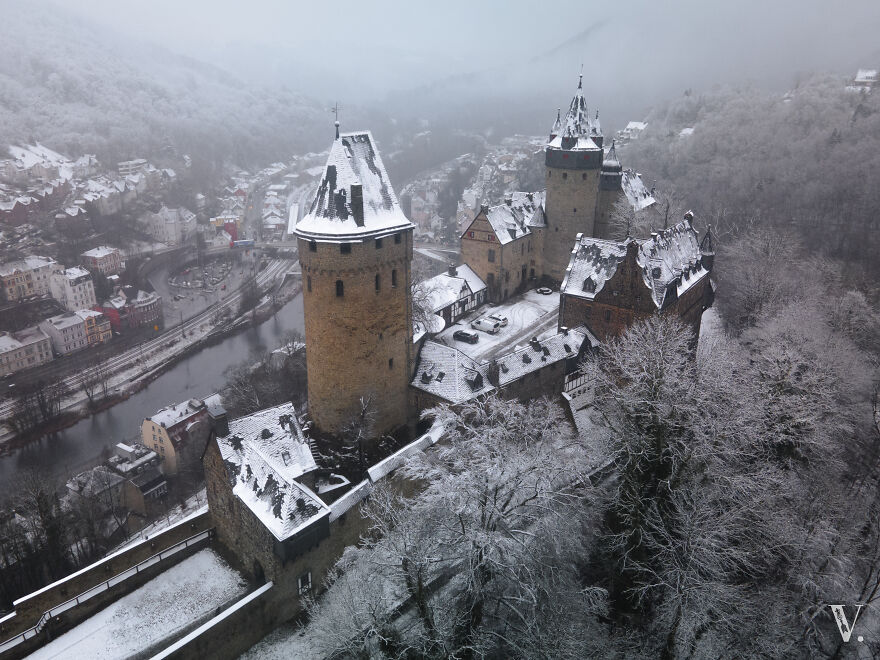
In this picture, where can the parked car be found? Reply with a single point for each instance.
(545, 290)
(497, 317)
(466, 335)
(486, 325)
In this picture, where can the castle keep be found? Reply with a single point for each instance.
(355, 248)
(529, 237)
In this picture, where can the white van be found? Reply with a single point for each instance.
(486, 325)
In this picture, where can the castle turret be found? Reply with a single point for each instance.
(610, 191)
(573, 160)
(355, 248)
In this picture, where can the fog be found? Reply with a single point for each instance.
(457, 52)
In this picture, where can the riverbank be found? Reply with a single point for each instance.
(77, 408)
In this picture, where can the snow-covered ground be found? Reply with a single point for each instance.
(530, 314)
(193, 506)
(160, 610)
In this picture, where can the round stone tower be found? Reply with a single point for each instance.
(355, 248)
(573, 159)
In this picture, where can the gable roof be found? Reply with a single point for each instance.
(514, 218)
(266, 453)
(335, 213)
(670, 261)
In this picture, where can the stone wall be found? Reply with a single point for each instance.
(30, 608)
(359, 343)
(570, 207)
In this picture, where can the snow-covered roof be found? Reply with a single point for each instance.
(576, 128)
(514, 218)
(866, 76)
(94, 482)
(635, 190)
(449, 374)
(266, 453)
(686, 131)
(636, 126)
(66, 320)
(539, 354)
(176, 414)
(663, 258)
(87, 313)
(100, 251)
(75, 272)
(444, 289)
(353, 165)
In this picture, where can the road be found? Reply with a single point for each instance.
(274, 270)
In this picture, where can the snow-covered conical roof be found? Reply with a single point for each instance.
(576, 128)
(355, 199)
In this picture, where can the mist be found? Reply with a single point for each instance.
(411, 59)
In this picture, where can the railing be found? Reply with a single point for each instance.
(102, 587)
(574, 381)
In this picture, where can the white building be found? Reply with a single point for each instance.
(103, 259)
(27, 278)
(170, 226)
(73, 288)
(21, 350)
(67, 332)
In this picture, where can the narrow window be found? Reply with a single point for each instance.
(304, 582)
(313, 246)
(377, 282)
(340, 289)
(565, 175)
(397, 239)
(491, 237)
(345, 248)
(394, 277)
(584, 176)
(574, 210)
(391, 363)
(309, 283)
(607, 315)
(491, 256)
(378, 243)
(470, 234)
(549, 173)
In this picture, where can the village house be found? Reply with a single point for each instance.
(67, 332)
(132, 308)
(170, 226)
(27, 278)
(610, 285)
(131, 167)
(453, 294)
(23, 350)
(103, 259)
(97, 326)
(177, 434)
(73, 288)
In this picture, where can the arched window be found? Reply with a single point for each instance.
(340, 289)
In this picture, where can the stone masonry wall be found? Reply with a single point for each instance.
(359, 343)
(570, 208)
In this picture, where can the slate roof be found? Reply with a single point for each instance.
(266, 453)
(516, 216)
(354, 160)
(539, 354)
(635, 190)
(663, 258)
(449, 374)
(577, 129)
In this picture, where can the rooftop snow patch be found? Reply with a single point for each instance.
(266, 452)
(635, 190)
(516, 216)
(355, 199)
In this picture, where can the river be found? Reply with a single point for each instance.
(196, 376)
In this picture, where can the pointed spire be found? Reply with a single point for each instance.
(706, 246)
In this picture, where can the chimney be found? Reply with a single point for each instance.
(564, 330)
(357, 203)
(484, 208)
(453, 271)
(494, 374)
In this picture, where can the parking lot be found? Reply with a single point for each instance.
(529, 314)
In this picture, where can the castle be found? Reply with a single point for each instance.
(529, 237)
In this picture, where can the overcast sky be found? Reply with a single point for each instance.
(372, 47)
